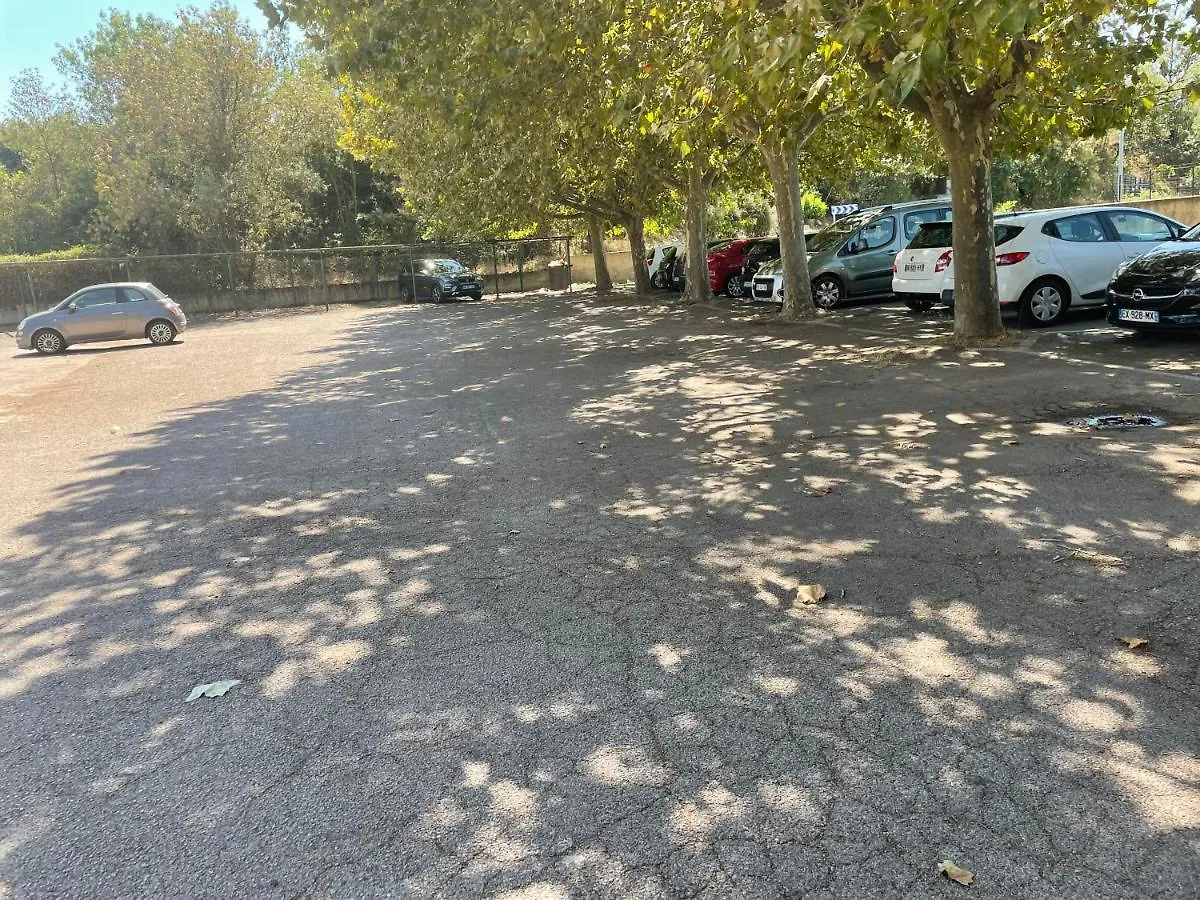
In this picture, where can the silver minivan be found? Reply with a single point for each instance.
(104, 312)
(853, 257)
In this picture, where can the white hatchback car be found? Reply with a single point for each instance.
(1046, 261)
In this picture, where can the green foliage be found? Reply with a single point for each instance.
(1065, 172)
(47, 184)
(204, 131)
(739, 213)
(79, 251)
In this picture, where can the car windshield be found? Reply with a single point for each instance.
(1191, 235)
(448, 266)
(835, 235)
(719, 246)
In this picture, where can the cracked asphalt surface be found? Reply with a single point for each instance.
(510, 588)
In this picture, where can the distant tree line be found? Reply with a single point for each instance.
(192, 135)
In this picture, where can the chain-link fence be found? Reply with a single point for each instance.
(274, 279)
(1150, 182)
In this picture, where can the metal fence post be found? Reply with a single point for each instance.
(324, 281)
(229, 282)
(33, 298)
(496, 269)
(570, 275)
(292, 278)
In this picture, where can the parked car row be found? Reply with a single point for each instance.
(1047, 262)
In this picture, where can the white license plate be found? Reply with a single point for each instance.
(914, 267)
(1137, 315)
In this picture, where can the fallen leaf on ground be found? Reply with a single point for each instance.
(1100, 560)
(819, 491)
(215, 689)
(1012, 443)
(810, 593)
(1135, 642)
(956, 873)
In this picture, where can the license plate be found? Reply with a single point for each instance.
(1137, 315)
(914, 267)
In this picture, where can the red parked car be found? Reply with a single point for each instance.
(725, 262)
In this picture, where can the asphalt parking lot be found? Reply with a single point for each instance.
(514, 593)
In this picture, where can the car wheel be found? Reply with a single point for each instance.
(734, 286)
(49, 341)
(161, 332)
(476, 296)
(436, 296)
(1043, 303)
(657, 281)
(828, 292)
(405, 293)
(917, 304)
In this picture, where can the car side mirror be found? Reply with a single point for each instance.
(71, 308)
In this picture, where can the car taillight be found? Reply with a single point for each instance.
(1010, 259)
(943, 262)
(895, 265)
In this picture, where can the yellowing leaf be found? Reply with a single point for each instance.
(1134, 642)
(213, 689)
(955, 873)
(810, 593)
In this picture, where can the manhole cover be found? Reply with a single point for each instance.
(1121, 420)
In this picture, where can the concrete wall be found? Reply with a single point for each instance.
(1181, 209)
(620, 266)
(385, 290)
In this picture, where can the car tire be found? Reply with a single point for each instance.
(161, 332)
(917, 304)
(475, 296)
(734, 286)
(406, 294)
(828, 292)
(48, 342)
(657, 281)
(1043, 303)
(436, 294)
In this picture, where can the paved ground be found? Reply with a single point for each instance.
(511, 592)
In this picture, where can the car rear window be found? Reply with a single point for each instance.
(935, 235)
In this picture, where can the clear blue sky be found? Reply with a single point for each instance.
(30, 30)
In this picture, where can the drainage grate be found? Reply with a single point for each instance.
(1119, 421)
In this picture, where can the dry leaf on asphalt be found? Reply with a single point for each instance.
(215, 689)
(810, 593)
(955, 873)
(819, 491)
(1135, 642)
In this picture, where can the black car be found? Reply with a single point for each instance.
(438, 280)
(760, 252)
(1159, 291)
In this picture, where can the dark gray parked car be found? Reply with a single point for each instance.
(438, 280)
(104, 312)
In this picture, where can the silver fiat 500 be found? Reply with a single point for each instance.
(104, 312)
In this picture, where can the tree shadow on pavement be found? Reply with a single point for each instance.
(511, 591)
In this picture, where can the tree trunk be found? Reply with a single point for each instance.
(966, 138)
(596, 239)
(785, 180)
(635, 227)
(697, 288)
